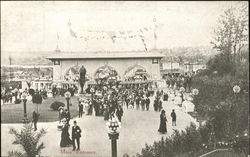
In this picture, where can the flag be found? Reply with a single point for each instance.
(72, 33)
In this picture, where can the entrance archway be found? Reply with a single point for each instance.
(106, 74)
(72, 75)
(136, 73)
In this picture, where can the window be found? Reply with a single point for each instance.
(56, 62)
(155, 61)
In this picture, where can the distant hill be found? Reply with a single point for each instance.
(180, 54)
(25, 58)
(189, 54)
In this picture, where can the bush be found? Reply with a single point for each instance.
(16, 154)
(188, 143)
(18, 101)
(55, 105)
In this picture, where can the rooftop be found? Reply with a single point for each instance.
(104, 55)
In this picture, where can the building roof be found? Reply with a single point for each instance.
(104, 55)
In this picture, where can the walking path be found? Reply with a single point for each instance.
(138, 127)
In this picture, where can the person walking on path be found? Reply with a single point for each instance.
(160, 105)
(173, 115)
(163, 123)
(147, 101)
(35, 119)
(143, 104)
(76, 135)
(80, 109)
(65, 139)
(119, 113)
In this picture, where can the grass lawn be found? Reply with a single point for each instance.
(13, 113)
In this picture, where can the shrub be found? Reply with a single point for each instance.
(55, 105)
(188, 143)
(16, 154)
(29, 140)
(18, 101)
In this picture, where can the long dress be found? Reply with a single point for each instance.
(65, 140)
(163, 125)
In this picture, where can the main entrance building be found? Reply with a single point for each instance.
(124, 66)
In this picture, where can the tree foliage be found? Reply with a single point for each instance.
(29, 140)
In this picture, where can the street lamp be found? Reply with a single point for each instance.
(67, 96)
(236, 90)
(113, 127)
(195, 91)
(25, 119)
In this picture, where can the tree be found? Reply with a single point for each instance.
(231, 34)
(29, 140)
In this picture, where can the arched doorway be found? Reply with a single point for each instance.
(106, 75)
(136, 73)
(72, 75)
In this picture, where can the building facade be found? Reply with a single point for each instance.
(66, 65)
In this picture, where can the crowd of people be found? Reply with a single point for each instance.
(181, 80)
(109, 101)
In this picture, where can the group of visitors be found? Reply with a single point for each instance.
(163, 121)
(64, 114)
(75, 135)
(178, 81)
(9, 95)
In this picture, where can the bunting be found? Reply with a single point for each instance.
(113, 35)
(143, 41)
(72, 33)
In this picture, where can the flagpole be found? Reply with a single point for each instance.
(154, 20)
(69, 25)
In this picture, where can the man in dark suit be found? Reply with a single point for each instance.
(76, 134)
(147, 103)
(35, 119)
(173, 115)
(80, 109)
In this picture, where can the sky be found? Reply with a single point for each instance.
(39, 26)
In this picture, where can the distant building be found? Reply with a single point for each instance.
(171, 68)
(193, 67)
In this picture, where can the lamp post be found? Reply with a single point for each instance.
(67, 96)
(236, 90)
(25, 119)
(113, 127)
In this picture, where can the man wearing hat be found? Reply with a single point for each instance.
(80, 109)
(76, 134)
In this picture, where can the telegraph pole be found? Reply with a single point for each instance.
(154, 20)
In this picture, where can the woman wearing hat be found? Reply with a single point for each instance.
(163, 125)
(65, 139)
